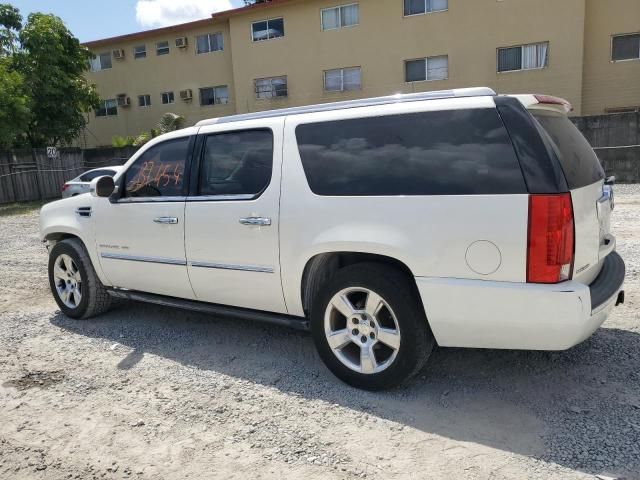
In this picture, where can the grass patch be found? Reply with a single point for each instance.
(8, 209)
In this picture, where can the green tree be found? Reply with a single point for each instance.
(14, 111)
(10, 24)
(170, 122)
(52, 63)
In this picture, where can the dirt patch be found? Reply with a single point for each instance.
(35, 380)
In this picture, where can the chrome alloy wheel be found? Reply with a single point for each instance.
(68, 281)
(362, 330)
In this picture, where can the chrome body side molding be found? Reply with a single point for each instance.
(228, 266)
(137, 258)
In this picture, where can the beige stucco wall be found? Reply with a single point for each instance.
(179, 70)
(609, 84)
(469, 33)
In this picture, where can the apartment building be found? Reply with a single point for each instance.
(295, 52)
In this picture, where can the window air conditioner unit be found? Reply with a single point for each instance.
(182, 42)
(186, 94)
(118, 54)
(123, 100)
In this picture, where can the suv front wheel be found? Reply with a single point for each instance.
(74, 283)
(369, 327)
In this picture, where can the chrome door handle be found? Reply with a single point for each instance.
(256, 221)
(166, 220)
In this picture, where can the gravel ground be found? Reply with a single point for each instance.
(151, 393)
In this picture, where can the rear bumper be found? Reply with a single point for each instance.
(483, 314)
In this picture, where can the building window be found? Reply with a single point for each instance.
(625, 47)
(167, 98)
(524, 57)
(423, 69)
(271, 87)
(210, 42)
(342, 79)
(102, 61)
(338, 17)
(214, 95)
(162, 48)
(144, 100)
(267, 29)
(140, 51)
(107, 108)
(420, 7)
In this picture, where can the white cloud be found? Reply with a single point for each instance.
(160, 13)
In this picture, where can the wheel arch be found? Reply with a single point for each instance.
(321, 267)
(57, 235)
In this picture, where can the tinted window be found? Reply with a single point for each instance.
(451, 152)
(87, 177)
(579, 162)
(159, 172)
(237, 163)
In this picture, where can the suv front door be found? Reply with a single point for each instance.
(140, 235)
(231, 230)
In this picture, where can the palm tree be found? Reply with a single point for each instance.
(169, 122)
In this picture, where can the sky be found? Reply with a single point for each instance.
(95, 19)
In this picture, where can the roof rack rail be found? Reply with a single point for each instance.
(364, 102)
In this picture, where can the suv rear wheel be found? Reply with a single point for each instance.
(74, 283)
(369, 327)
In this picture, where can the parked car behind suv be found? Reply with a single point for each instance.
(384, 226)
(81, 183)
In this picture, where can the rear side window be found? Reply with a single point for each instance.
(452, 152)
(579, 162)
(159, 172)
(237, 163)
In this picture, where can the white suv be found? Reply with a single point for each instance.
(384, 226)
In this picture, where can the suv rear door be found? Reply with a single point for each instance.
(590, 197)
(232, 216)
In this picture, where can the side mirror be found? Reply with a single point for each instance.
(102, 186)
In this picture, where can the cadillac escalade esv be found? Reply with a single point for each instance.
(385, 226)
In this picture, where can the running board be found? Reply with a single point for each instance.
(299, 323)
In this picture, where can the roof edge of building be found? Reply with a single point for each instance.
(247, 8)
(181, 26)
(149, 33)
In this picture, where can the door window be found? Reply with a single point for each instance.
(237, 163)
(159, 172)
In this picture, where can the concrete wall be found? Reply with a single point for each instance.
(616, 140)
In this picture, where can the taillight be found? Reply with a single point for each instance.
(550, 242)
(65, 186)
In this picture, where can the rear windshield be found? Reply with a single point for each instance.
(452, 152)
(578, 160)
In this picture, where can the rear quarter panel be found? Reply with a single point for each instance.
(429, 234)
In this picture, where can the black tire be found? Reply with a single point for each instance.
(95, 299)
(397, 291)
